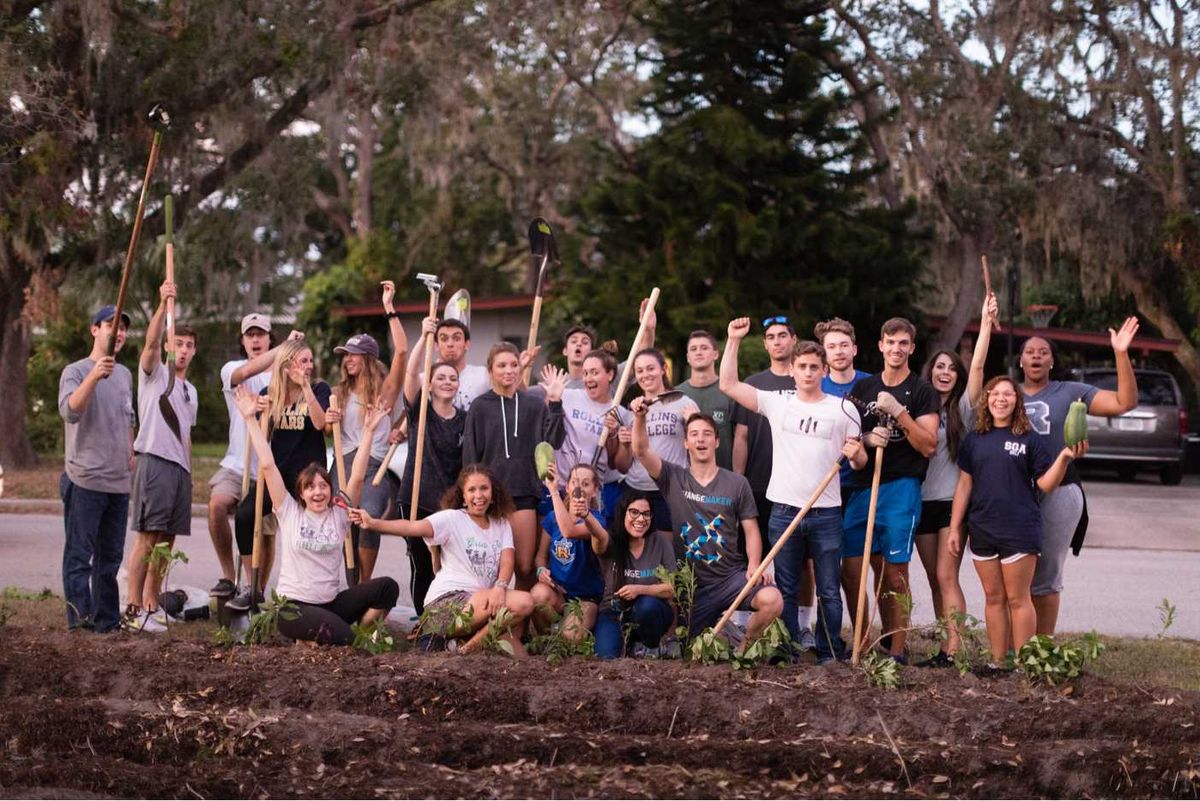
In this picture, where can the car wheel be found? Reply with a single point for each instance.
(1126, 472)
(1171, 475)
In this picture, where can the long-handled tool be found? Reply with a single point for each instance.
(164, 400)
(624, 382)
(435, 288)
(159, 120)
(340, 461)
(256, 554)
(544, 251)
(860, 607)
(987, 285)
(783, 538)
(377, 479)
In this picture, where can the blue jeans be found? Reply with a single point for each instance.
(95, 543)
(650, 618)
(818, 537)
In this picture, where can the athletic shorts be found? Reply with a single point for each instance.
(226, 482)
(897, 513)
(711, 602)
(984, 549)
(162, 497)
(935, 516)
(525, 502)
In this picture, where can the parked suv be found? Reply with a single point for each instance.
(1151, 435)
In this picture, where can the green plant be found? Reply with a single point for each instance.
(1041, 659)
(162, 557)
(498, 628)
(708, 648)
(224, 637)
(683, 581)
(555, 645)
(18, 594)
(265, 624)
(881, 670)
(973, 649)
(6, 614)
(774, 642)
(1166, 616)
(374, 638)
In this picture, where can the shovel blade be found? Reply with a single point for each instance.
(458, 307)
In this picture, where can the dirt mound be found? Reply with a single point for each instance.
(125, 716)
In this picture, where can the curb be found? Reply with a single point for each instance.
(53, 506)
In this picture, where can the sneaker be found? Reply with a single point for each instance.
(134, 619)
(939, 660)
(223, 589)
(241, 602)
(808, 641)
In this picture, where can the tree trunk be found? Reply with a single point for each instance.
(967, 300)
(1154, 308)
(15, 344)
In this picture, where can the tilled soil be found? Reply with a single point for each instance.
(130, 716)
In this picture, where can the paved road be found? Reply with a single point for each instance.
(1143, 545)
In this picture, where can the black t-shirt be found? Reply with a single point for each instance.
(441, 461)
(758, 434)
(1004, 500)
(900, 458)
(295, 441)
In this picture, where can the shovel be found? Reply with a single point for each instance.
(542, 250)
(164, 400)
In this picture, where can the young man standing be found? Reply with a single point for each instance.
(809, 433)
(837, 337)
(702, 388)
(752, 455)
(707, 503)
(911, 405)
(95, 399)
(226, 483)
(162, 480)
(452, 340)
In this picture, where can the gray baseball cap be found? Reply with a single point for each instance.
(361, 344)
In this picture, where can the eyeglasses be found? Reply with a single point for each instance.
(776, 320)
(995, 394)
(638, 514)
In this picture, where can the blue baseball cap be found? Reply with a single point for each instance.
(106, 313)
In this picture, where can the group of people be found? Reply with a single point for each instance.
(711, 473)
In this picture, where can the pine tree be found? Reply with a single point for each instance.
(747, 200)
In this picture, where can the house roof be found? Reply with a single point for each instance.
(1095, 338)
(419, 307)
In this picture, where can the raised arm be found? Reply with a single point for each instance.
(416, 363)
(554, 429)
(151, 356)
(247, 405)
(620, 455)
(1107, 403)
(362, 457)
(260, 363)
(395, 377)
(641, 440)
(647, 340)
(741, 392)
(975, 376)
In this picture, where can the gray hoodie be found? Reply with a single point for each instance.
(502, 433)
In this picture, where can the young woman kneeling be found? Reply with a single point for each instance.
(1004, 466)
(567, 566)
(312, 532)
(477, 554)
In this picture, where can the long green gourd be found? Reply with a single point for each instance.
(1075, 426)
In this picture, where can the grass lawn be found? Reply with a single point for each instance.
(41, 482)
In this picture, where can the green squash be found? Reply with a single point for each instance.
(543, 457)
(1075, 426)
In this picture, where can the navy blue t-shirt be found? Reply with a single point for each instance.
(573, 565)
(1004, 499)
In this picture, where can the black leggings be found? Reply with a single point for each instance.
(243, 519)
(420, 562)
(329, 624)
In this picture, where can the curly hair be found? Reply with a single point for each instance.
(501, 506)
(1018, 423)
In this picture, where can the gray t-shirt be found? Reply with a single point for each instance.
(706, 517)
(97, 440)
(665, 424)
(942, 476)
(154, 436)
(712, 401)
(638, 569)
(1047, 411)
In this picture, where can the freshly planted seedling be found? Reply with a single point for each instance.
(265, 625)
(556, 646)
(1041, 659)
(161, 559)
(775, 642)
(880, 670)
(683, 582)
(708, 648)
(498, 628)
(374, 638)
(1166, 617)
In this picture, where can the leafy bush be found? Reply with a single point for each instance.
(881, 670)
(1044, 660)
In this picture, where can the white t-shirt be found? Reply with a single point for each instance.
(806, 440)
(585, 422)
(235, 453)
(665, 425)
(470, 554)
(311, 563)
(473, 381)
(352, 429)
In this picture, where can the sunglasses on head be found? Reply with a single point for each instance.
(778, 319)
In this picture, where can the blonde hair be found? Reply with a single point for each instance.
(277, 392)
(367, 384)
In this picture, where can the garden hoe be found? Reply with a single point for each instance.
(340, 461)
(435, 288)
(160, 120)
(542, 250)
